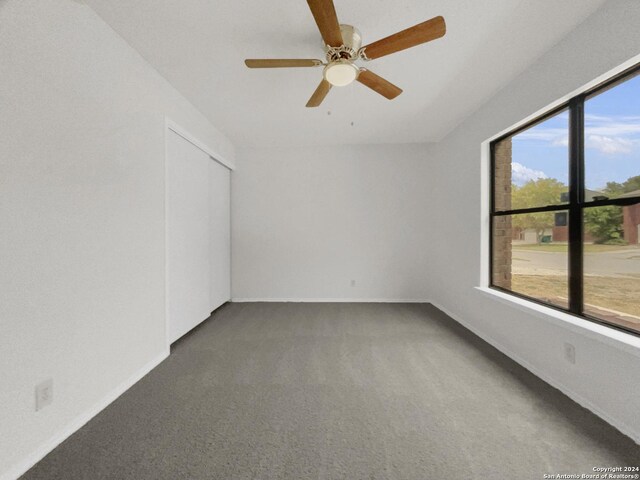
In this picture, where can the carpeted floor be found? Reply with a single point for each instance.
(337, 391)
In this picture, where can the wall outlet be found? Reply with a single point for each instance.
(570, 353)
(353, 283)
(44, 394)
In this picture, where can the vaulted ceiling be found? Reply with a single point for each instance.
(200, 45)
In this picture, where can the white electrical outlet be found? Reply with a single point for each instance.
(44, 394)
(570, 353)
(353, 283)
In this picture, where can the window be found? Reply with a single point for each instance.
(565, 206)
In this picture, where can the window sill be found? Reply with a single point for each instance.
(621, 340)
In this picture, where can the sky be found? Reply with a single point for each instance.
(612, 141)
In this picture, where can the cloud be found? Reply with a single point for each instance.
(610, 135)
(550, 135)
(562, 141)
(609, 145)
(617, 135)
(614, 129)
(521, 174)
(591, 117)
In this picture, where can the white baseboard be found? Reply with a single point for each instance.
(635, 436)
(331, 300)
(29, 461)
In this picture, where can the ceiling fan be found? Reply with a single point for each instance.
(343, 46)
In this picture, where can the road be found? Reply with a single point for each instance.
(620, 263)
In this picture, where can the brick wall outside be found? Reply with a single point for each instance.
(502, 225)
(631, 215)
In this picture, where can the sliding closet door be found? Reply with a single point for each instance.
(188, 236)
(220, 257)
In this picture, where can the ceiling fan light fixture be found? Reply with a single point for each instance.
(341, 73)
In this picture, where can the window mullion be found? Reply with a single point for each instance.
(576, 200)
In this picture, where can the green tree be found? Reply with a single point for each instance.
(631, 184)
(538, 193)
(614, 189)
(604, 224)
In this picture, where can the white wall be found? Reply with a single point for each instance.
(606, 377)
(82, 249)
(307, 221)
(82, 210)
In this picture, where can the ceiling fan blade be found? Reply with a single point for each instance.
(281, 63)
(319, 95)
(378, 84)
(324, 13)
(416, 35)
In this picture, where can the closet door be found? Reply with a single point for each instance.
(188, 235)
(220, 208)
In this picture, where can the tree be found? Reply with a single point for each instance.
(604, 224)
(538, 193)
(631, 184)
(614, 189)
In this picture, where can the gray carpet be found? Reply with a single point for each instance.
(337, 391)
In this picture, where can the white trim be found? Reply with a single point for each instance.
(231, 177)
(485, 206)
(594, 330)
(621, 426)
(166, 235)
(331, 300)
(45, 448)
(174, 127)
(615, 338)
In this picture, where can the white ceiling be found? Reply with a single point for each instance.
(200, 45)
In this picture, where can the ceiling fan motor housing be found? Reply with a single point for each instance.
(351, 43)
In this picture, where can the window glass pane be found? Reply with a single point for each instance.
(612, 141)
(612, 264)
(531, 168)
(530, 255)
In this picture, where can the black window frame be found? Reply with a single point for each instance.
(576, 204)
